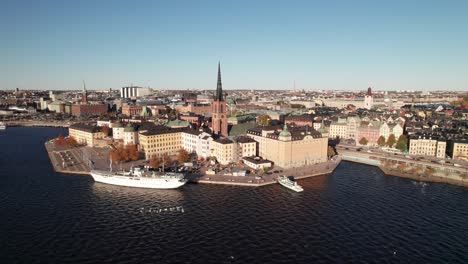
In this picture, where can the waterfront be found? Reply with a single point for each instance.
(356, 214)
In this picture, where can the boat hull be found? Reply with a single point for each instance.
(138, 182)
(296, 188)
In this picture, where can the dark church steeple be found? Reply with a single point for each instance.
(219, 86)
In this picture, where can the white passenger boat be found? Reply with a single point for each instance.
(286, 182)
(137, 177)
(2, 126)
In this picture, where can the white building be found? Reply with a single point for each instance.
(190, 140)
(204, 145)
(134, 91)
(130, 135)
(118, 131)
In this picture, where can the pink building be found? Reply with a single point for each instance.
(370, 131)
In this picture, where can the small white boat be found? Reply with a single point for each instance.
(286, 182)
(2, 126)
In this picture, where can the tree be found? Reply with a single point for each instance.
(60, 141)
(391, 140)
(155, 162)
(166, 159)
(264, 120)
(402, 143)
(116, 156)
(183, 156)
(363, 141)
(105, 130)
(132, 152)
(72, 142)
(330, 152)
(381, 141)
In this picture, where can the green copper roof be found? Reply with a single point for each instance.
(177, 123)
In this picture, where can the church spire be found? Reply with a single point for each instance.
(219, 87)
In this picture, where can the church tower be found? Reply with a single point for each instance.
(84, 95)
(219, 124)
(368, 101)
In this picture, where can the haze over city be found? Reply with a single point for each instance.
(397, 45)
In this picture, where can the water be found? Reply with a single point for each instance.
(355, 215)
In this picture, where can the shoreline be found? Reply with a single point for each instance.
(36, 124)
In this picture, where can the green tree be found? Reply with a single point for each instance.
(391, 140)
(402, 143)
(381, 141)
(363, 141)
(264, 120)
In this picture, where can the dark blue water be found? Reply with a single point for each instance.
(355, 215)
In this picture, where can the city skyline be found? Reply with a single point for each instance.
(263, 45)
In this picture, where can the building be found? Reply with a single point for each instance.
(204, 145)
(161, 140)
(135, 91)
(59, 106)
(459, 150)
(256, 163)
(130, 135)
(338, 129)
(190, 140)
(225, 150)
(426, 145)
(118, 131)
(85, 134)
(219, 124)
(368, 100)
(131, 110)
(300, 120)
(247, 147)
(89, 109)
(369, 130)
(290, 147)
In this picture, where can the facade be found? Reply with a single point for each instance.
(460, 150)
(134, 91)
(219, 124)
(338, 129)
(225, 150)
(370, 131)
(160, 141)
(190, 140)
(427, 146)
(204, 145)
(131, 110)
(247, 147)
(88, 109)
(118, 131)
(256, 163)
(300, 120)
(85, 134)
(289, 148)
(130, 135)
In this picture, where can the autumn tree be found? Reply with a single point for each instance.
(132, 152)
(155, 162)
(363, 141)
(71, 141)
(391, 140)
(264, 120)
(166, 159)
(183, 156)
(60, 141)
(381, 141)
(105, 130)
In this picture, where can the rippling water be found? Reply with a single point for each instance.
(355, 215)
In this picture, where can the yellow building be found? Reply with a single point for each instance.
(85, 134)
(287, 148)
(225, 150)
(427, 146)
(160, 141)
(460, 150)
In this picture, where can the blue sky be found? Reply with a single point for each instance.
(420, 45)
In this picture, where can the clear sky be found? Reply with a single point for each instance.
(173, 44)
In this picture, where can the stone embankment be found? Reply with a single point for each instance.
(442, 173)
(37, 124)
